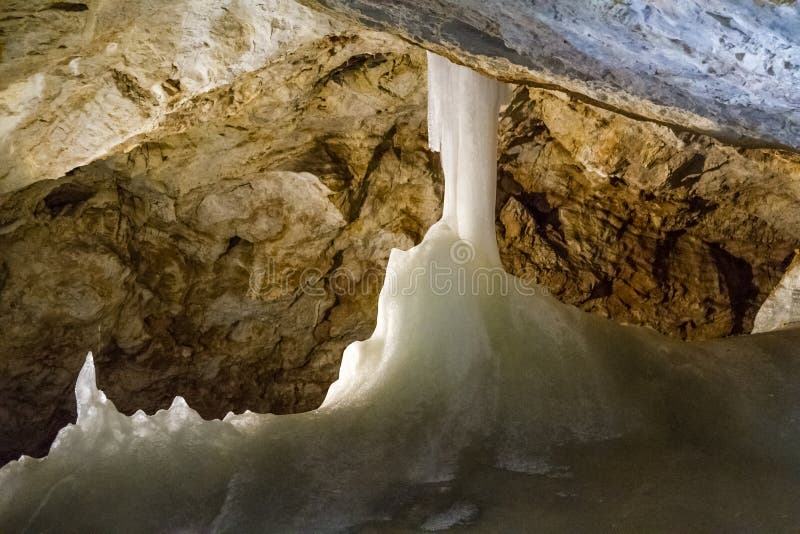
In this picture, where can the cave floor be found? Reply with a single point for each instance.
(616, 486)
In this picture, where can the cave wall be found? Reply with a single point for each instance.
(228, 254)
(222, 234)
(642, 223)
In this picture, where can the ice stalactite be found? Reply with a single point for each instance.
(462, 126)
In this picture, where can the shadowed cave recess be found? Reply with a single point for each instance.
(210, 207)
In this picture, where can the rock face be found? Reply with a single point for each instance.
(228, 254)
(726, 68)
(209, 205)
(79, 79)
(642, 223)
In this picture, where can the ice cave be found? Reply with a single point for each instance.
(400, 266)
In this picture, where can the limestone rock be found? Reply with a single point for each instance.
(227, 252)
(79, 78)
(730, 69)
(640, 222)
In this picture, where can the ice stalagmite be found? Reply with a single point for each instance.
(470, 379)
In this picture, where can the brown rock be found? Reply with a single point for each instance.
(641, 223)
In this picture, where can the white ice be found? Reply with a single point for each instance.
(782, 307)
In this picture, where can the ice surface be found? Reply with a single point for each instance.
(462, 125)
(782, 307)
(469, 373)
(457, 514)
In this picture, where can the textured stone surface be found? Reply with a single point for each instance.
(642, 223)
(221, 215)
(728, 68)
(230, 253)
(78, 79)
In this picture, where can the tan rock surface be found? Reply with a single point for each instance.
(641, 223)
(79, 78)
(228, 254)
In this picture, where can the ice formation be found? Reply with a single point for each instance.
(470, 375)
(782, 307)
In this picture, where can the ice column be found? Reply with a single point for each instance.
(462, 125)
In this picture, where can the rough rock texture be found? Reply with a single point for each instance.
(79, 79)
(642, 223)
(727, 68)
(229, 182)
(204, 258)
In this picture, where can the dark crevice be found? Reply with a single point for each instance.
(358, 196)
(738, 277)
(787, 260)
(366, 61)
(130, 88)
(548, 222)
(232, 242)
(603, 288)
(3, 275)
(542, 212)
(329, 160)
(701, 206)
(69, 6)
(688, 173)
(617, 181)
(336, 262)
(66, 198)
(339, 164)
(663, 252)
